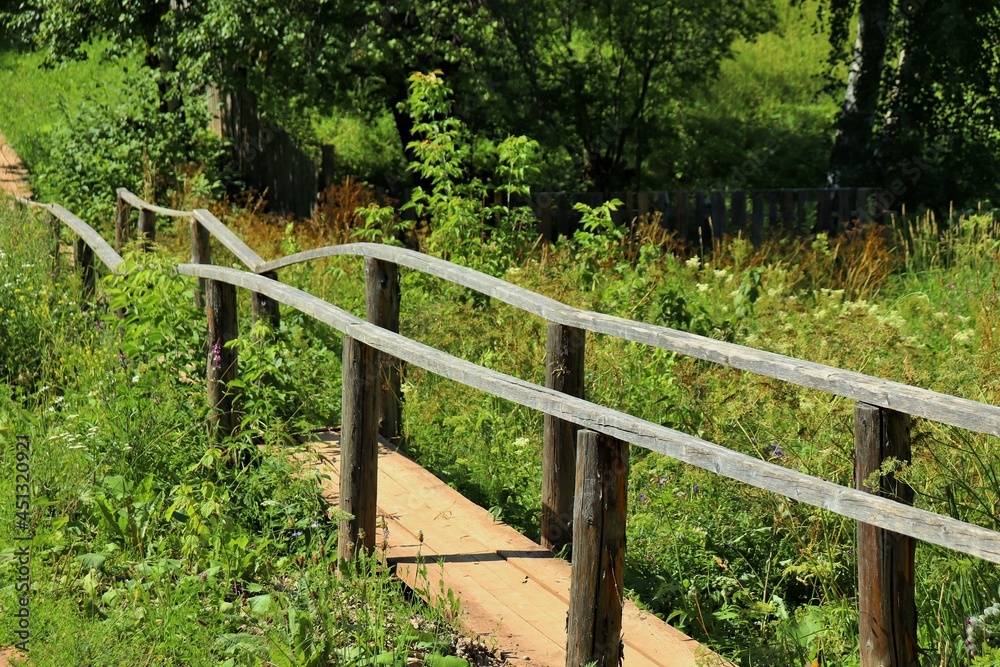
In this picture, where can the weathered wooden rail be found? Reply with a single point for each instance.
(583, 496)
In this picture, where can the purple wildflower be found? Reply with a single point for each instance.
(297, 533)
(121, 358)
(777, 451)
(663, 480)
(695, 488)
(642, 497)
(216, 355)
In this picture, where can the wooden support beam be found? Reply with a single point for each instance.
(85, 267)
(264, 307)
(564, 367)
(200, 254)
(382, 309)
(596, 589)
(220, 300)
(887, 613)
(122, 213)
(359, 449)
(147, 228)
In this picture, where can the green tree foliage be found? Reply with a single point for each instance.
(596, 83)
(931, 134)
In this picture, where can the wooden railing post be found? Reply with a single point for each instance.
(121, 224)
(358, 449)
(220, 300)
(382, 308)
(596, 589)
(147, 228)
(85, 267)
(56, 226)
(200, 254)
(564, 361)
(264, 307)
(887, 612)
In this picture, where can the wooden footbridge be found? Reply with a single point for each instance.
(544, 609)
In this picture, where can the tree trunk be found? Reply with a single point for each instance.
(851, 160)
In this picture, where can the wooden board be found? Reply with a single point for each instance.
(511, 589)
(230, 241)
(135, 202)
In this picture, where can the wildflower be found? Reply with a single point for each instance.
(702, 287)
(217, 355)
(642, 497)
(121, 358)
(695, 488)
(663, 480)
(693, 263)
(963, 336)
(777, 451)
(297, 533)
(719, 273)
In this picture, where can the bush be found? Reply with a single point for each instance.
(100, 146)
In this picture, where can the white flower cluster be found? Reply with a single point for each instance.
(983, 631)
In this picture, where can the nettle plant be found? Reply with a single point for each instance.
(469, 220)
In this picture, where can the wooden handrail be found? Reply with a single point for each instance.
(136, 202)
(874, 510)
(230, 241)
(85, 232)
(961, 412)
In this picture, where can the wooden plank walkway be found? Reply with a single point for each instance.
(512, 591)
(13, 175)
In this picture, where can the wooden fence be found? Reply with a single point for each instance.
(698, 216)
(584, 461)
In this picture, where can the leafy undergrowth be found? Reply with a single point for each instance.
(153, 544)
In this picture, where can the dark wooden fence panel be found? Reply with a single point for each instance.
(699, 217)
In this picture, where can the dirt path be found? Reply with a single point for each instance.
(13, 175)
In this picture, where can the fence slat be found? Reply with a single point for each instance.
(823, 206)
(596, 590)
(886, 609)
(758, 216)
(718, 214)
(358, 449)
(382, 309)
(564, 371)
(738, 204)
(683, 216)
(803, 199)
(788, 210)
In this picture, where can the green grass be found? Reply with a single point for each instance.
(150, 546)
(36, 99)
